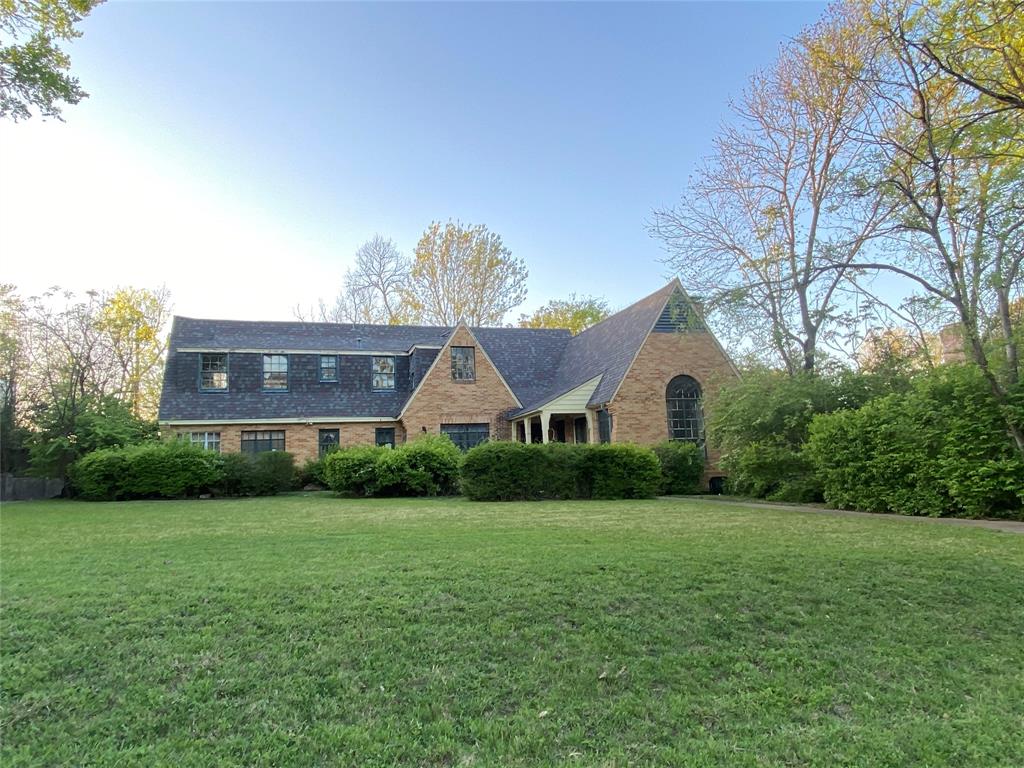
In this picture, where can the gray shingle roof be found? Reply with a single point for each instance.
(606, 349)
(537, 364)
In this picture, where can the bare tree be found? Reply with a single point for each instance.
(779, 198)
(371, 291)
(464, 273)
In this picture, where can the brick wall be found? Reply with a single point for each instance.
(302, 440)
(638, 410)
(443, 401)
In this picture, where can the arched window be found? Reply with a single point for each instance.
(685, 419)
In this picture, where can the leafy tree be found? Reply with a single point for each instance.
(463, 273)
(33, 67)
(949, 159)
(11, 363)
(133, 319)
(575, 313)
(779, 198)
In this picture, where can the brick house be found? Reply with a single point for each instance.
(642, 375)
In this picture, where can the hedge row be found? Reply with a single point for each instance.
(940, 449)
(519, 472)
(175, 470)
(427, 466)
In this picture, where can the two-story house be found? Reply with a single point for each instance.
(642, 375)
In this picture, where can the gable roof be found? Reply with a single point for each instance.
(537, 364)
(606, 349)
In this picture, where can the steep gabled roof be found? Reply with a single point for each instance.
(606, 349)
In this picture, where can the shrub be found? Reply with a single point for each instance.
(621, 471)
(395, 475)
(351, 471)
(682, 466)
(502, 471)
(436, 456)
(156, 470)
(256, 474)
(311, 473)
(939, 449)
(761, 423)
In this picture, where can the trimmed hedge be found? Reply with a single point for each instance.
(682, 466)
(427, 466)
(174, 470)
(940, 449)
(152, 471)
(503, 471)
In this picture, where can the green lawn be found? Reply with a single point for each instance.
(312, 631)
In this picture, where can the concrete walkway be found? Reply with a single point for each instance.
(1010, 526)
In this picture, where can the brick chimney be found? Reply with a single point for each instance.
(952, 341)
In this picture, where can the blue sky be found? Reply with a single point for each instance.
(256, 145)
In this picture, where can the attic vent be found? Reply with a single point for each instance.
(678, 317)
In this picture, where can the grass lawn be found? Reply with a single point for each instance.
(307, 631)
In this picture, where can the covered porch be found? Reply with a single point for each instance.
(565, 418)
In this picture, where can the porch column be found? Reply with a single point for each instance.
(592, 436)
(545, 423)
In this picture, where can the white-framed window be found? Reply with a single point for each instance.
(208, 440)
(213, 371)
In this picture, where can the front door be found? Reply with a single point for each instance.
(558, 428)
(580, 426)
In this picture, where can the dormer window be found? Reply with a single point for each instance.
(328, 367)
(275, 372)
(382, 376)
(213, 371)
(463, 364)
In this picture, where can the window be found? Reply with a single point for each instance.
(328, 367)
(259, 442)
(213, 371)
(275, 372)
(604, 426)
(383, 373)
(386, 436)
(328, 440)
(465, 436)
(208, 440)
(685, 419)
(463, 364)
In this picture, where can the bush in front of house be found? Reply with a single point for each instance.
(502, 471)
(351, 471)
(682, 466)
(620, 471)
(518, 472)
(427, 466)
(149, 471)
(940, 449)
(311, 473)
(256, 474)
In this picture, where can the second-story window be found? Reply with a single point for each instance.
(275, 372)
(328, 367)
(383, 373)
(213, 371)
(463, 364)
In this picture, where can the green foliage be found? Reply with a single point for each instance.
(33, 68)
(761, 423)
(256, 474)
(157, 470)
(939, 449)
(427, 466)
(352, 471)
(311, 473)
(501, 471)
(682, 466)
(100, 422)
(504, 471)
(575, 313)
(621, 471)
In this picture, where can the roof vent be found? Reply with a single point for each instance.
(678, 316)
(359, 343)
